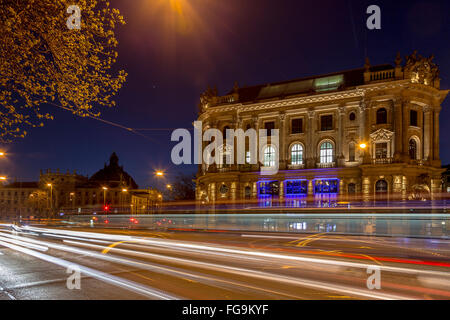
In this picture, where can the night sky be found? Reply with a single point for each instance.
(172, 55)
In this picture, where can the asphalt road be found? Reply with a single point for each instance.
(132, 264)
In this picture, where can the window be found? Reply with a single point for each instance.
(381, 150)
(352, 116)
(269, 156)
(381, 116)
(351, 152)
(269, 126)
(381, 186)
(248, 192)
(412, 149)
(413, 118)
(294, 187)
(326, 122)
(297, 154)
(225, 132)
(326, 152)
(326, 186)
(297, 126)
(247, 157)
(351, 188)
(269, 188)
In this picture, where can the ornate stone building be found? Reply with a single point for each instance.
(368, 133)
(70, 192)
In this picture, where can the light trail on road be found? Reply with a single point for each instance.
(225, 266)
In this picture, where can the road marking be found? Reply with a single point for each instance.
(371, 258)
(108, 248)
(304, 239)
(263, 236)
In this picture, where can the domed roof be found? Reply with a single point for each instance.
(113, 175)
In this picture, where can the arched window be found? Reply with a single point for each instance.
(352, 116)
(381, 186)
(351, 152)
(297, 154)
(412, 149)
(381, 116)
(326, 152)
(269, 156)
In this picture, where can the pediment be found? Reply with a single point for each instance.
(381, 135)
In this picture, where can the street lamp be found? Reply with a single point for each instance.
(169, 186)
(362, 145)
(123, 200)
(159, 173)
(51, 196)
(3, 178)
(2, 154)
(104, 196)
(72, 195)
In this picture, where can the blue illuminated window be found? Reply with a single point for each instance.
(296, 187)
(326, 186)
(269, 188)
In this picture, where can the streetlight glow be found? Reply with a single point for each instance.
(2, 178)
(159, 173)
(362, 145)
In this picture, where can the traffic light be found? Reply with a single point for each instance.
(106, 208)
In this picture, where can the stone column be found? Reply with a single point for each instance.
(282, 137)
(281, 190)
(237, 125)
(405, 125)
(362, 121)
(436, 158)
(366, 189)
(404, 188)
(341, 187)
(233, 191)
(340, 145)
(255, 190)
(428, 135)
(310, 148)
(398, 129)
(213, 192)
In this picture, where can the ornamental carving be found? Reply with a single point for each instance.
(206, 98)
(420, 69)
(381, 135)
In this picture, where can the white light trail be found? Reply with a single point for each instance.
(130, 285)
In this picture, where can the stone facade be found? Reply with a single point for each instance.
(368, 133)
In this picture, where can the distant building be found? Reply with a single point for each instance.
(372, 131)
(110, 189)
(14, 198)
(446, 179)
